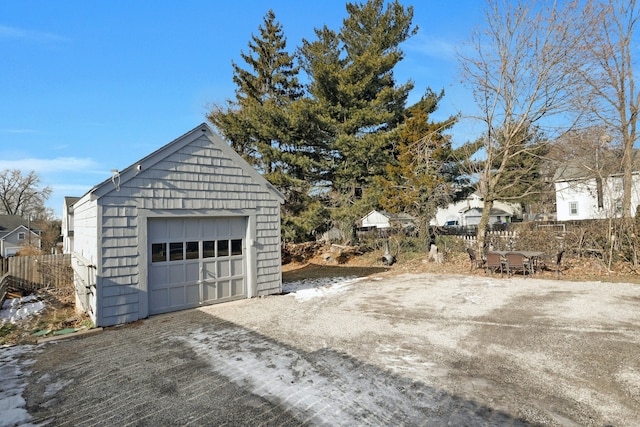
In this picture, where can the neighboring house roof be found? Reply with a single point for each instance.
(69, 201)
(492, 212)
(123, 176)
(11, 226)
(608, 162)
(8, 223)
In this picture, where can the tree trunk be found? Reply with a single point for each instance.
(482, 227)
(628, 177)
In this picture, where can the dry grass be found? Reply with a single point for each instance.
(59, 313)
(574, 268)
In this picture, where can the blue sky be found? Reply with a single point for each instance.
(91, 86)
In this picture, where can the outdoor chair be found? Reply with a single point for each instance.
(474, 260)
(493, 262)
(517, 262)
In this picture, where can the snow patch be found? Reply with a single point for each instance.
(306, 385)
(304, 290)
(12, 384)
(16, 309)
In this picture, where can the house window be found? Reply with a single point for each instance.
(21, 235)
(573, 208)
(618, 206)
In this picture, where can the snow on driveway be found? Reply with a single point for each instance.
(13, 380)
(328, 388)
(321, 388)
(304, 290)
(12, 373)
(324, 386)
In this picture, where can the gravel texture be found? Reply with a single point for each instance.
(408, 349)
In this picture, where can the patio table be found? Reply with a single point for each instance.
(532, 256)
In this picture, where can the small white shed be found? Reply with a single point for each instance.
(382, 220)
(375, 219)
(190, 224)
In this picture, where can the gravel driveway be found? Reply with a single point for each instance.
(385, 350)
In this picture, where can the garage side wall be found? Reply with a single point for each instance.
(86, 259)
(197, 180)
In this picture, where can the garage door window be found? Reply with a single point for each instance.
(236, 247)
(176, 250)
(180, 251)
(223, 248)
(208, 249)
(158, 252)
(193, 252)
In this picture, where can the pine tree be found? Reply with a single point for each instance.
(353, 84)
(274, 127)
(425, 175)
(522, 179)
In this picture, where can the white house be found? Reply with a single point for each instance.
(192, 223)
(465, 212)
(67, 224)
(496, 216)
(592, 198)
(591, 186)
(15, 233)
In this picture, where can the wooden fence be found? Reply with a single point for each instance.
(4, 266)
(39, 271)
(4, 287)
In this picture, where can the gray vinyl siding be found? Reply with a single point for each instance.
(197, 180)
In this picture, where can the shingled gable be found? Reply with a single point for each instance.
(157, 156)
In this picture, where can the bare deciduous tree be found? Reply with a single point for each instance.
(608, 68)
(520, 70)
(21, 194)
(609, 71)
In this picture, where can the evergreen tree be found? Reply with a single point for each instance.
(521, 179)
(425, 175)
(274, 127)
(359, 102)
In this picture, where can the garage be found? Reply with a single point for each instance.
(195, 261)
(190, 224)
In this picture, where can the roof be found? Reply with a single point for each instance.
(9, 223)
(157, 156)
(392, 216)
(69, 201)
(609, 162)
(492, 212)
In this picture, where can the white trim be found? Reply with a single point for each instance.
(143, 238)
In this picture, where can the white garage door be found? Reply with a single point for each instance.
(195, 261)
